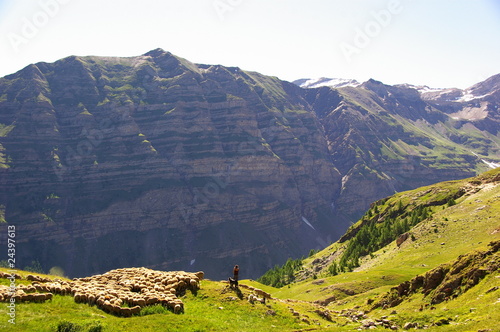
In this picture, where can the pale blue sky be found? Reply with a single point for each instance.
(441, 43)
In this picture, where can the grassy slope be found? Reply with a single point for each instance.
(452, 231)
(213, 308)
(467, 226)
(202, 313)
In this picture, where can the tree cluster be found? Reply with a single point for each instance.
(283, 275)
(374, 235)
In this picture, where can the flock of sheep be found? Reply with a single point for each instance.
(122, 292)
(22, 293)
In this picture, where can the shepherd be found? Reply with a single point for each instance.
(233, 282)
(236, 270)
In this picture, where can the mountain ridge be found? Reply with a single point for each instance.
(201, 164)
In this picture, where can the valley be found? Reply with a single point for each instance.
(163, 163)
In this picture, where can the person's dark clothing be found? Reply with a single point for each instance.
(236, 270)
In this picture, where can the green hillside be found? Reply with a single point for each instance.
(461, 217)
(427, 258)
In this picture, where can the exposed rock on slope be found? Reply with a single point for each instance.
(387, 139)
(156, 161)
(159, 162)
(449, 280)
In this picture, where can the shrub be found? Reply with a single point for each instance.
(66, 326)
(153, 310)
(333, 269)
(35, 267)
(312, 252)
(95, 327)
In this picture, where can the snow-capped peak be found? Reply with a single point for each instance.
(323, 81)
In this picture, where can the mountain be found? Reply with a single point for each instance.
(385, 139)
(156, 161)
(323, 81)
(425, 259)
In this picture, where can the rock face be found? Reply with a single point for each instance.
(159, 162)
(156, 161)
(448, 280)
(385, 139)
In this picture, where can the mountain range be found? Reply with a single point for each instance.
(156, 161)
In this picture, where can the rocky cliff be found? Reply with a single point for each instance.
(156, 161)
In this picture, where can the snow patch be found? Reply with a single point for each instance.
(490, 164)
(469, 97)
(308, 223)
(329, 82)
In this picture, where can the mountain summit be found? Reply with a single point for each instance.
(156, 161)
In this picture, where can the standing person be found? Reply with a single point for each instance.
(236, 270)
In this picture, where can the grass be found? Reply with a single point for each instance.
(452, 231)
(5, 130)
(213, 308)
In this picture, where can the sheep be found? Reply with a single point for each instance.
(126, 312)
(193, 283)
(31, 277)
(41, 297)
(177, 309)
(140, 302)
(258, 291)
(115, 308)
(135, 310)
(38, 297)
(78, 297)
(152, 300)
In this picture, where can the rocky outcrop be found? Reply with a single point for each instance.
(449, 280)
